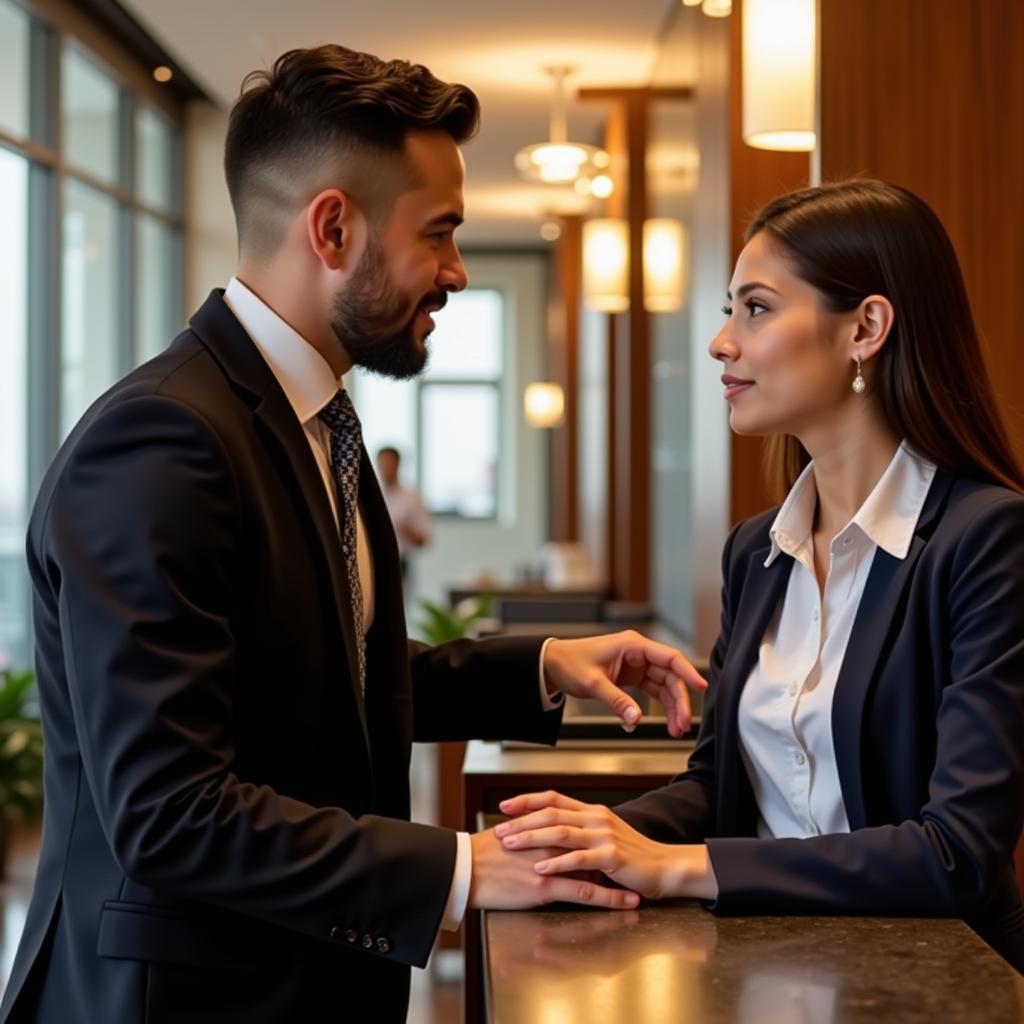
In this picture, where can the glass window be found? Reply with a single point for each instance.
(89, 338)
(89, 113)
(155, 160)
(14, 73)
(466, 345)
(387, 411)
(13, 407)
(463, 419)
(158, 306)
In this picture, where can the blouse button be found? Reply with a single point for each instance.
(792, 689)
(799, 757)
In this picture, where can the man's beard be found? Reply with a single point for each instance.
(365, 322)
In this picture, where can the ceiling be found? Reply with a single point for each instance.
(499, 49)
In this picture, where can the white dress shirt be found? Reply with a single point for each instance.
(407, 511)
(309, 384)
(785, 711)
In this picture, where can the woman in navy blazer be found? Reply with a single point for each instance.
(856, 280)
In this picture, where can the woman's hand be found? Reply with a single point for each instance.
(596, 839)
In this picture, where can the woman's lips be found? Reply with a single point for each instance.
(735, 386)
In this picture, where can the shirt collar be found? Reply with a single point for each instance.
(304, 375)
(887, 518)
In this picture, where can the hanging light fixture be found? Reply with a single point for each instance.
(717, 8)
(606, 264)
(664, 264)
(778, 74)
(558, 161)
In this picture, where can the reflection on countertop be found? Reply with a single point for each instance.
(678, 963)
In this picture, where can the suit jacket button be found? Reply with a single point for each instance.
(351, 936)
(367, 942)
(335, 932)
(383, 945)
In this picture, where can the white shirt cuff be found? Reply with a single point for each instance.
(548, 702)
(458, 894)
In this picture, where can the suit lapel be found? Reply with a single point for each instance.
(879, 615)
(241, 360)
(762, 591)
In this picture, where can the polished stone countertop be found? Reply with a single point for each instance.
(679, 963)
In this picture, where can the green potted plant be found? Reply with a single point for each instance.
(441, 624)
(21, 755)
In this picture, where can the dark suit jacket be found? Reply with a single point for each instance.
(928, 723)
(226, 834)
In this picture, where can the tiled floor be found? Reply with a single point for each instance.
(433, 1001)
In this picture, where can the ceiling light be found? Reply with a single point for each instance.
(602, 186)
(163, 73)
(558, 161)
(551, 231)
(717, 8)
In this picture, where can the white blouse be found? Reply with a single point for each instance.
(785, 711)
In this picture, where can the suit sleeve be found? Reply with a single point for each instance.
(141, 548)
(949, 859)
(684, 810)
(481, 689)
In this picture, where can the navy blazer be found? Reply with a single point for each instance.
(225, 834)
(928, 724)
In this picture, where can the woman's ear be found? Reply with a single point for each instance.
(335, 229)
(874, 318)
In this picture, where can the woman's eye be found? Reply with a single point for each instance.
(755, 307)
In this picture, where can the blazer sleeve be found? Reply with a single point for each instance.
(949, 859)
(481, 689)
(140, 546)
(684, 810)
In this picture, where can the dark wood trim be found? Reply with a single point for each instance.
(565, 370)
(646, 93)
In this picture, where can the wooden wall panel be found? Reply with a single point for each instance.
(758, 175)
(929, 94)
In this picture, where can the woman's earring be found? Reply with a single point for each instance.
(858, 381)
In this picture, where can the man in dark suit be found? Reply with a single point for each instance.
(228, 694)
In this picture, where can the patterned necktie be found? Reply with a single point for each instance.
(346, 451)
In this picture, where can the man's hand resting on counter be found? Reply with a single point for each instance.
(503, 879)
(598, 667)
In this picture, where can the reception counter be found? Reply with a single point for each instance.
(678, 963)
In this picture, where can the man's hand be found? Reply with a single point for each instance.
(597, 667)
(505, 880)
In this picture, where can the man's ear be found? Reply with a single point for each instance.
(336, 230)
(874, 318)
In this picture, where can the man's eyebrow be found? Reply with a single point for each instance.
(745, 289)
(450, 218)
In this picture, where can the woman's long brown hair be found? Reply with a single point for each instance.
(858, 238)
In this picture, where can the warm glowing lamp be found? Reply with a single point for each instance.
(778, 74)
(664, 264)
(544, 404)
(718, 8)
(606, 265)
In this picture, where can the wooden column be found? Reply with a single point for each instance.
(565, 370)
(934, 101)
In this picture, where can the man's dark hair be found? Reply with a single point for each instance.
(330, 116)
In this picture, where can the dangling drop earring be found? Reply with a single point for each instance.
(858, 381)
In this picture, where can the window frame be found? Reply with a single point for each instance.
(56, 25)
